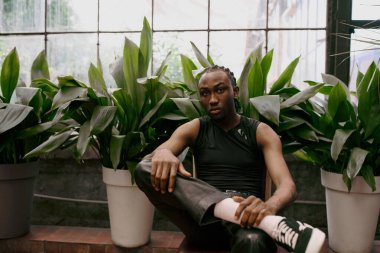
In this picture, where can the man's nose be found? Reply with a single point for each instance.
(213, 99)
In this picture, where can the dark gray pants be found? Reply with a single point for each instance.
(190, 207)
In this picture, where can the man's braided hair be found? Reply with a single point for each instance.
(214, 68)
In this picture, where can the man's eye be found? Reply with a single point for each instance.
(220, 90)
(204, 93)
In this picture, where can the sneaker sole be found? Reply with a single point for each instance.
(317, 240)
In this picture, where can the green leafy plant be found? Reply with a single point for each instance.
(125, 123)
(348, 128)
(27, 119)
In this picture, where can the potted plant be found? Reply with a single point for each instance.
(26, 119)
(122, 125)
(347, 149)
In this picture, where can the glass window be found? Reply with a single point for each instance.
(231, 49)
(79, 31)
(365, 9)
(71, 54)
(22, 16)
(364, 51)
(288, 45)
(72, 15)
(123, 15)
(236, 14)
(189, 14)
(297, 13)
(28, 47)
(177, 43)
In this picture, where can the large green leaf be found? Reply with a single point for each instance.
(116, 147)
(145, 48)
(26, 94)
(268, 106)
(9, 75)
(12, 115)
(101, 118)
(355, 162)
(131, 73)
(186, 106)
(149, 115)
(83, 140)
(337, 97)
(266, 62)
(40, 67)
(187, 69)
(96, 79)
(340, 138)
(369, 100)
(256, 83)
(285, 76)
(301, 96)
(116, 70)
(67, 94)
(367, 173)
(202, 60)
(243, 82)
(54, 142)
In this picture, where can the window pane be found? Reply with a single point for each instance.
(189, 14)
(363, 52)
(72, 15)
(22, 16)
(177, 43)
(71, 55)
(28, 47)
(231, 49)
(288, 45)
(111, 47)
(365, 9)
(297, 13)
(124, 15)
(237, 14)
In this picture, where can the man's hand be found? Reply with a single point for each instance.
(252, 210)
(164, 170)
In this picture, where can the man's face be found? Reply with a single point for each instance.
(217, 94)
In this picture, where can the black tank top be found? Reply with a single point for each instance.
(230, 160)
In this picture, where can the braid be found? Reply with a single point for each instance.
(213, 68)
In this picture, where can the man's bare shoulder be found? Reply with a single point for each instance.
(189, 130)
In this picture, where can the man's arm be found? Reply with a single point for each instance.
(165, 163)
(252, 209)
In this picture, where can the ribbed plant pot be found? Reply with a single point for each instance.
(131, 213)
(351, 216)
(16, 198)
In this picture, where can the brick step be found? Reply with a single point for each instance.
(65, 239)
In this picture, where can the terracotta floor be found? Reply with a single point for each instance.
(58, 239)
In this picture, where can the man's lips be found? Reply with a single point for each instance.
(214, 110)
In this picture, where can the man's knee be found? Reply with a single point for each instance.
(253, 240)
(142, 172)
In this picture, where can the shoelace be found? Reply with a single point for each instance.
(287, 234)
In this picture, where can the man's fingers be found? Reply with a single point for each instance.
(238, 199)
(183, 171)
(164, 179)
(172, 177)
(157, 179)
(260, 217)
(153, 174)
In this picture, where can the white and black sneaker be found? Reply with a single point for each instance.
(298, 237)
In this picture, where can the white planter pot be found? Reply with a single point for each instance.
(130, 211)
(351, 216)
